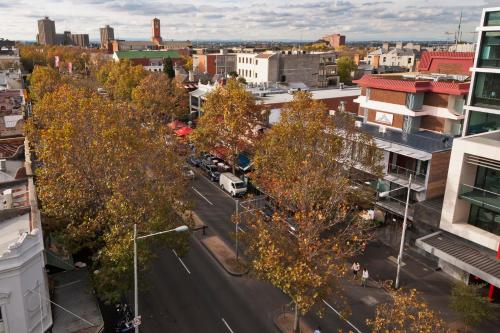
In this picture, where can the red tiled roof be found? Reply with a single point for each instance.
(432, 61)
(452, 88)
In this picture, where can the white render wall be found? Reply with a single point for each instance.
(455, 213)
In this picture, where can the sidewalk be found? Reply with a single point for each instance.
(434, 286)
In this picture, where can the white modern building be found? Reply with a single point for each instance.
(468, 245)
(24, 293)
(314, 69)
(399, 56)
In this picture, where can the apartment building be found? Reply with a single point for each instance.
(334, 40)
(468, 243)
(221, 63)
(413, 118)
(313, 69)
(46, 32)
(107, 34)
(399, 56)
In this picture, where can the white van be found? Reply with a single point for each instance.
(232, 184)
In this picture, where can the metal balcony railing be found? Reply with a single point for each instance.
(400, 172)
(480, 197)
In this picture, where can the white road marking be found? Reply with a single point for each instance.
(338, 313)
(182, 262)
(201, 195)
(228, 327)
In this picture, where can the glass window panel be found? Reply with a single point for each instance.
(487, 90)
(489, 55)
(480, 122)
(492, 19)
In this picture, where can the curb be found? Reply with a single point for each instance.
(227, 269)
(303, 326)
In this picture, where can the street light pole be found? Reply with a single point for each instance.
(237, 220)
(136, 291)
(401, 246)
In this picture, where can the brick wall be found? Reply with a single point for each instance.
(397, 120)
(388, 96)
(433, 99)
(432, 123)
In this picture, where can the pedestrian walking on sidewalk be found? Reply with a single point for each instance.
(355, 269)
(318, 330)
(364, 277)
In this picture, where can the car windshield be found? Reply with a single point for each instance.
(239, 185)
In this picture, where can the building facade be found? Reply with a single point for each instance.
(155, 29)
(414, 119)
(335, 40)
(46, 32)
(312, 69)
(399, 56)
(150, 60)
(107, 35)
(468, 245)
(221, 63)
(81, 40)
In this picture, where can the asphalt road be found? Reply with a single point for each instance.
(195, 294)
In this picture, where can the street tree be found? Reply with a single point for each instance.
(345, 66)
(405, 313)
(120, 78)
(467, 301)
(305, 163)
(168, 68)
(230, 120)
(43, 80)
(102, 172)
(159, 99)
(188, 63)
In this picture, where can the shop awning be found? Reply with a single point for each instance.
(463, 255)
(243, 162)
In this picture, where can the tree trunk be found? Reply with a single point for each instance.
(296, 328)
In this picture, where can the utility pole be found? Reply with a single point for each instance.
(403, 233)
(136, 292)
(237, 221)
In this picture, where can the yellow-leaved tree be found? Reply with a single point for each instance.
(406, 313)
(120, 78)
(101, 172)
(307, 164)
(230, 120)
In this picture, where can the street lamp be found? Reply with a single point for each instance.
(401, 246)
(181, 228)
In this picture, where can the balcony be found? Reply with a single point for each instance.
(396, 205)
(480, 197)
(400, 176)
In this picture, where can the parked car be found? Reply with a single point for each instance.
(193, 160)
(232, 184)
(187, 173)
(211, 171)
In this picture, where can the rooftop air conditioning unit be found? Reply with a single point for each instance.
(382, 129)
(3, 164)
(358, 123)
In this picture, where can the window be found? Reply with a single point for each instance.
(255, 74)
(414, 102)
(256, 62)
(492, 19)
(489, 55)
(487, 91)
(480, 122)
(2, 325)
(384, 59)
(485, 219)
(409, 60)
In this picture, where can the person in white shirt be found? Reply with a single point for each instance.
(355, 269)
(318, 330)
(364, 277)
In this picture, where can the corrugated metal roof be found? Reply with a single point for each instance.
(464, 253)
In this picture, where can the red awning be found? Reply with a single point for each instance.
(184, 131)
(176, 124)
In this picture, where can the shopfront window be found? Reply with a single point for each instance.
(489, 56)
(480, 122)
(487, 91)
(492, 19)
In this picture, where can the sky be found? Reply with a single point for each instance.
(248, 19)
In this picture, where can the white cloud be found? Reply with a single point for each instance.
(245, 19)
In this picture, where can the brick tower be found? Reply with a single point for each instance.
(155, 25)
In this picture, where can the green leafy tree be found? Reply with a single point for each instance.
(101, 172)
(168, 68)
(306, 164)
(229, 120)
(472, 307)
(345, 66)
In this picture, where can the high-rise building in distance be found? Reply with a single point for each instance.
(107, 34)
(81, 40)
(155, 25)
(46, 32)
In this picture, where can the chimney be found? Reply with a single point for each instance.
(376, 61)
(385, 47)
(356, 59)
(399, 45)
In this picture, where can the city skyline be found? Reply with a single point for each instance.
(281, 20)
